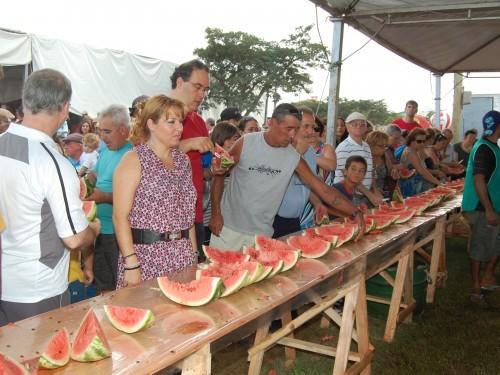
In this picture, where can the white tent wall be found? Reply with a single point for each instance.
(99, 77)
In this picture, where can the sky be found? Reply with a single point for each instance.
(171, 30)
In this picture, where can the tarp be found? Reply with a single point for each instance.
(99, 77)
(15, 48)
(442, 36)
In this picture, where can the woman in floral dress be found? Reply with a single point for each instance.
(154, 197)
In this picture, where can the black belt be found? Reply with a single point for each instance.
(148, 237)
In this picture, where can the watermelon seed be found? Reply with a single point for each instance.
(8, 346)
(58, 321)
(56, 330)
(172, 351)
(37, 353)
(33, 329)
(21, 356)
(137, 361)
(50, 317)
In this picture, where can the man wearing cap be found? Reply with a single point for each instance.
(40, 203)
(355, 145)
(408, 122)
(264, 165)
(481, 203)
(231, 115)
(73, 149)
(190, 85)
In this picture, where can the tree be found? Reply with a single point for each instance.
(244, 68)
(375, 110)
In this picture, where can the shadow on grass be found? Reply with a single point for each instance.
(453, 336)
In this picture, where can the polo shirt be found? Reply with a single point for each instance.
(349, 147)
(104, 169)
(194, 126)
(39, 199)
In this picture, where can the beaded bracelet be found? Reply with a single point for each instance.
(128, 256)
(134, 267)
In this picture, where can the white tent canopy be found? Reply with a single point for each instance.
(99, 76)
(442, 36)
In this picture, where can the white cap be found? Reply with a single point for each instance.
(355, 116)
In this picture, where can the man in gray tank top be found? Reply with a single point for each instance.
(264, 165)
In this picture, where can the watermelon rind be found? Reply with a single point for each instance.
(267, 270)
(304, 244)
(405, 216)
(90, 210)
(343, 233)
(290, 258)
(272, 244)
(233, 279)
(97, 348)
(277, 268)
(135, 319)
(11, 366)
(59, 343)
(224, 256)
(185, 293)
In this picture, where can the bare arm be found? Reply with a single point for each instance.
(84, 239)
(482, 192)
(415, 161)
(125, 182)
(201, 144)
(328, 160)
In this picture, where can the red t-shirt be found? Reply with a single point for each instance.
(403, 125)
(194, 126)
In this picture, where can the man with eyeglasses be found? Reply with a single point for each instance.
(264, 165)
(190, 85)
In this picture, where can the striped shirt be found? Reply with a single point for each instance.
(39, 200)
(349, 147)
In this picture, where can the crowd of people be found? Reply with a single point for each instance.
(161, 193)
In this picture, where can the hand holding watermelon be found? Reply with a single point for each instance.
(222, 158)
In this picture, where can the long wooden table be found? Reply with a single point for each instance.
(187, 334)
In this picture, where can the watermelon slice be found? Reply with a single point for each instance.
(266, 274)
(271, 244)
(311, 233)
(324, 220)
(224, 256)
(90, 343)
(129, 319)
(289, 257)
(255, 270)
(86, 187)
(222, 158)
(233, 279)
(310, 247)
(344, 233)
(381, 221)
(195, 293)
(57, 352)
(404, 214)
(9, 366)
(405, 173)
(90, 210)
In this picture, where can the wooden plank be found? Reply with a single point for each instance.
(345, 334)
(384, 301)
(408, 288)
(198, 363)
(388, 278)
(337, 319)
(397, 292)
(364, 346)
(407, 311)
(257, 357)
(362, 367)
(316, 348)
(437, 248)
(290, 353)
(424, 254)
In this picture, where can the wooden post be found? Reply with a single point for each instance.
(437, 248)
(364, 346)
(408, 286)
(257, 357)
(290, 353)
(198, 363)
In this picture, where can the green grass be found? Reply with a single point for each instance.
(453, 336)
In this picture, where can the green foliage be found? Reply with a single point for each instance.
(375, 110)
(244, 68)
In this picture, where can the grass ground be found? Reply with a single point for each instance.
(451, 337)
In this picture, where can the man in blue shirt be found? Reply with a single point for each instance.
(114, 128)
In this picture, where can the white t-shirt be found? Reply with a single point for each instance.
(39, 200)
(349, 147)
(89, 160)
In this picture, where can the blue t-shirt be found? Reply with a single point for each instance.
(297, 194)
(104, 169)
(341, 188)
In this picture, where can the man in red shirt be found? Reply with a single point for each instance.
(408, 122)
(190, 85)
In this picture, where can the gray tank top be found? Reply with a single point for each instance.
(257, 185)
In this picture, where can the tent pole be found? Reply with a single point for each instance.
(333, 92)
(437, 114)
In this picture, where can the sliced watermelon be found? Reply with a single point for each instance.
(404, 214)
(90, 210)
(311, 233)
(289, 257)
(267, 243)
(255, 270)
(195, 293)
(266, 273)
(370, 224)
(405, 173)
(224, 256)
(9, 366)
(222, 158)
(233, 279)
(129, 319)
(57, 352)
(310, 247)
(266, 258)
(90, 343)
(344, 233)
(86, 187)
(382, 221)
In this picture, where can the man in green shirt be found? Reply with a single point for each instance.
(481, 203)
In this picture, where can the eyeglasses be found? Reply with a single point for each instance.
(419, 140)
(357, 124)
(200, 87)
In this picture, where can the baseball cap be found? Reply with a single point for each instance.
(355, 116)
(74, 137)
(230, 113)
(491, 120)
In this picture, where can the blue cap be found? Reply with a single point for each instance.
(491, 120)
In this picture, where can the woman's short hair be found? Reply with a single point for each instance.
(154, 108)
(413, 134)
(376, 137)
(222, 132)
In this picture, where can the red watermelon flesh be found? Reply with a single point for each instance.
(129, 319)
(233, 279)
(57, 352)
(382, 221)
(310, 247)
(195, 293)
(404, 214)
(311, 233)
(344, 233)
(90, 210)
(9, 366)
(347, 223)
(224, 256)
(255, 270)
(266, 258)
(289, 257)
(90, 343)
(405, 173)
(267, 243)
